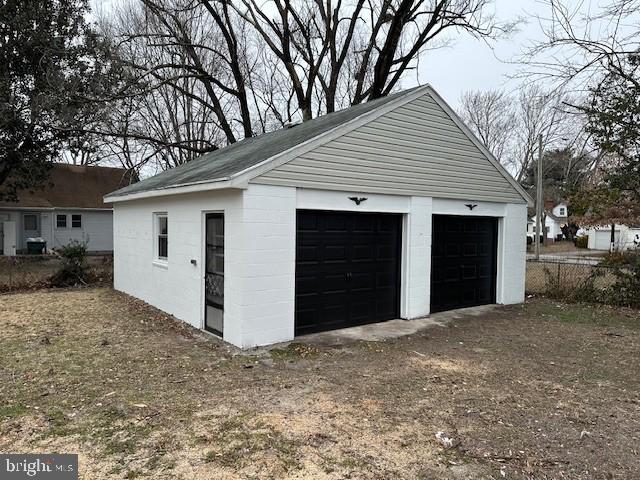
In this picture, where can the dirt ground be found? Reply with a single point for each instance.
(540, 391)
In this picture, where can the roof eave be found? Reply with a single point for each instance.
(192, 187)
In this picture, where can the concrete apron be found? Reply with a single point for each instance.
(376, 332)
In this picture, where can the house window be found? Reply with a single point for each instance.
(162, 236)
(61, 221)
(76, 221)
(30, 222)
(562, 212)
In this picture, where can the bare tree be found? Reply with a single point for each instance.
(205, 73)
(371, 43)
(491, 116)
(579, 46)
(510, 124)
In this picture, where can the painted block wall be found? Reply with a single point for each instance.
(267, 268)
(513, 255)
(176, 286)
(259, 259)
(260, 232)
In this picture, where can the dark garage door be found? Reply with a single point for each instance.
(463, 267)
(347, 269)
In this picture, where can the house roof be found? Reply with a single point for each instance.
(237, 157)
(239, 162)
(73, 186)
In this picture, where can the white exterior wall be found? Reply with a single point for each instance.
(96, 230)
(625, 238)
(260, 232)
(553, 227)
(177, 286)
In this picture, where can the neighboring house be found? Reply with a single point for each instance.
(388, 209)
(69, 208)
(555, 218)
(626, 237)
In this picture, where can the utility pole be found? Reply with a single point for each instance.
(539, 228)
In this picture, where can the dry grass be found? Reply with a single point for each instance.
(560, 246)
(30, 272)
(543, 390)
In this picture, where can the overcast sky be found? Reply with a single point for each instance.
(470, 64)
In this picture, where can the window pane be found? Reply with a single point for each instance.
(76, 221)
(61, 221)
(162, 225)
(219, 263)
(162, 246)
(30, 222)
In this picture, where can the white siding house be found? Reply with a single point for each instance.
(390, 209)
(555, 218)
(70, 208)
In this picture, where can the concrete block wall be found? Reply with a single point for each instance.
(267, 268)
(417, 260)
(260, 233)
(176, 286)
(512, 272)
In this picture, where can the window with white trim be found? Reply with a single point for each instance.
(562, 212)
(61, 220)
(76, 221)
(162, 236)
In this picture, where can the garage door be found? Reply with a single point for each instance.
(603, 239)
(463, 267)
(347, 269)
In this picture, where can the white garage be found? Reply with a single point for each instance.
(389, 209)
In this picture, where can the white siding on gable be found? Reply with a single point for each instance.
(416, 149)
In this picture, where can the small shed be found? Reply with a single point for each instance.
(389, 209)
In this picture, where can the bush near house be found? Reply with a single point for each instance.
(74, 268)
(582, 241)
(31, 272)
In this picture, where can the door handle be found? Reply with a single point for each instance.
(348, 275)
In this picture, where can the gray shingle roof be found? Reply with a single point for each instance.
(237, 157)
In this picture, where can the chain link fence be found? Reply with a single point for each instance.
(561, 279)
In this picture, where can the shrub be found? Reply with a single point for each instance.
(582, 241)
(620, 259)
(625, 291)
(74, 268)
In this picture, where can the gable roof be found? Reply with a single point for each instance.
(236, 164)
(73, 186)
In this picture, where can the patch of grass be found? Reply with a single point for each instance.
(294, 351)
(12, 411)
(120, 447)
(58, 423)
(586, 315)
(239, 440)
